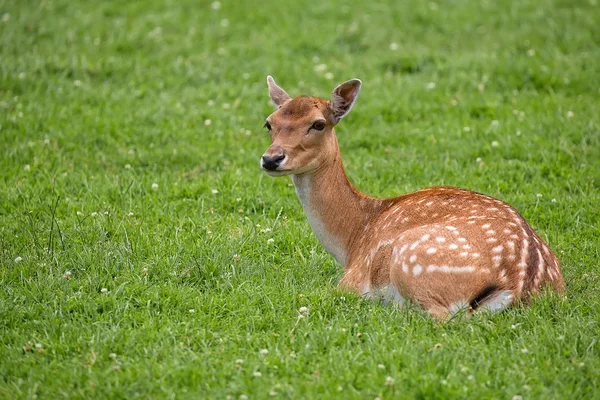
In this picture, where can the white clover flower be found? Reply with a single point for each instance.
(320, 67)
(389, 381)
(214, 191)
(263, 352)
(257, 374)
(154, 186)
(145, 271)
(192, 310)
(430, 86)
(127, 166)
(5, 17)
(393, 46)
(329, 76)
(303, 311)
(239, 361)
(113, 356)
(39, 346)
(226, 106)
(224, 22)
(104, 290)
(18, 259)
(380, 366)
(27, 167)
(538, 195)
(570, 114)
(67, 275)
(216, 5)
(524, 351)
(495, 144)
(467, 129)
(553, 200)
(243, 397)
(130, 214)
(271, 240)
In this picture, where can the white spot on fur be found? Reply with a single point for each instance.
(486, 226)
(453, 246)
(405, 268)
(462, 239)
(466, 247)
(507, 231)
(491, 239)
(497, 260)
(413, 258)
(451, 228)
(524, 254)
(450, 269)
(464, 254)
(431, 250)
(440, 239)
(417, 269)
(425, 237)
(491, 232)
(498, 249)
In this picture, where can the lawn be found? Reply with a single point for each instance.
(145, 255)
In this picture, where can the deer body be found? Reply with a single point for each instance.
(444, 248)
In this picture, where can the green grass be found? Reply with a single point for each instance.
(132, 291)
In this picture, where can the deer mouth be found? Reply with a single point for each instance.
(278, 172)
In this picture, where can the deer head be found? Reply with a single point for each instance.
(301, 129)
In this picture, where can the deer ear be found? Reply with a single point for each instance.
(277, 94)
(343, 98)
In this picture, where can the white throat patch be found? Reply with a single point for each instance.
(328, 240)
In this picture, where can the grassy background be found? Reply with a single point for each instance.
(144, 254)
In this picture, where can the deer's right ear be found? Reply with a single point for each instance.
(277, 94)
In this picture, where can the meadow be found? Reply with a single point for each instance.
(145, 255)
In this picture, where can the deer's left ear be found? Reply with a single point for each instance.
(343, 98)
(277, 94)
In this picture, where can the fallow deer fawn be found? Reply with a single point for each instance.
(444, 248)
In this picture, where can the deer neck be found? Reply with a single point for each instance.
(336, 210)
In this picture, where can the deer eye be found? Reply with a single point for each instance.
(267, 125)
(318, 126)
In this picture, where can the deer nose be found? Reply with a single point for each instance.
(271, 162)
